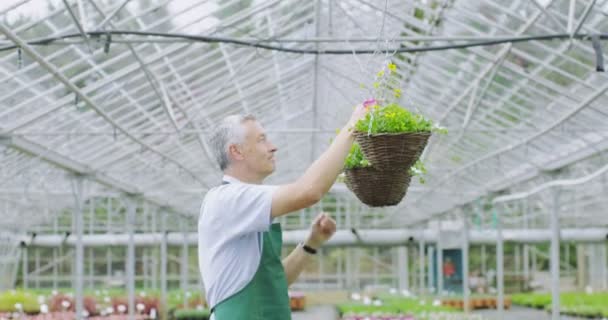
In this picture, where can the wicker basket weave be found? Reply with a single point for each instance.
(392, 151)
(378, 188)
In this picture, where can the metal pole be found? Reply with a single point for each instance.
(534, 264)
(554, 262)
(78, 189)
(526, 247)
(349, 268)
(321, 269)
(109, 262)
(37, 265)
(402, 265)
(430, 253)
(526, 264)
(130, 267)
(581, 266)
(465, 262)
(163, 266)
(55, 273)
(315, 92)
(604, 247)
(184, 263)
(421, 246)
(375, 265)
(439, 260)
(144, 261)
(517, 258)
(91, 268)
(484, 268)
(340, 270)
(24, 268)
(500, 276)
(567, 258)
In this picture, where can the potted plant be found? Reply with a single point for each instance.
(389, 142)
(373, 187)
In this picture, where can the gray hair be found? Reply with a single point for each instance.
(229, 131)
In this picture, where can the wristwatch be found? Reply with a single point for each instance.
(308, 249)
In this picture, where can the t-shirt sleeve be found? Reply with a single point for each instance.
(249, 208)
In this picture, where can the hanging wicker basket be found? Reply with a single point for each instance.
(378, 188)
(392, 151)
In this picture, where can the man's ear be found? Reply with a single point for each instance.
(235, 152)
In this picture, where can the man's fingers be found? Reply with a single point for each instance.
(328, 225)
(318, 219)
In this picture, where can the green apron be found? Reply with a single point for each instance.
(265, 297)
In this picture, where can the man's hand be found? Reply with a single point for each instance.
(359, 113)
(323, 228)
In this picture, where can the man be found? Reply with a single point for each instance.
(239, 245)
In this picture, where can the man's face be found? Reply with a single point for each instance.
(258, 151)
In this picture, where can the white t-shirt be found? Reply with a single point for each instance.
(230, 225)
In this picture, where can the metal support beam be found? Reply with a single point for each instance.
(80, 27)
(78, 189)
(484, 268)
(81, 94)
(571, 11)
(184, 262)
(109, 262)
(421, 265)
(439, 260)
(37, 266)
(130, 262)
(548, 14)
(111, 15)
(584, 17)
(604, 255)
(500, 274)
(517, 259)
(465, 262)
(431, 272)
(55, 271)
(24, 267)
(91, 268)
(315, 83)
(403, 268)
(163, 265)
(554, 261)
(581, 267)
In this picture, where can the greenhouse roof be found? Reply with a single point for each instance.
(124, 93)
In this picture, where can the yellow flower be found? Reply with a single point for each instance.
(397, 92)
(392, 66)
(376, 84)
(380, 73)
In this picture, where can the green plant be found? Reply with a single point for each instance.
(191, 314)
(572, 303)
(389, 118)
(392, 118)
(18, 301)
(355, 158)
(386, 304)
(418, 170)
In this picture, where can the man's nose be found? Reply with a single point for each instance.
(273, 148)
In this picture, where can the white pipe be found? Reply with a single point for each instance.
(369, 237)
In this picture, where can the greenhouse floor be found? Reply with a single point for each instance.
(324, 312)
(520, 313)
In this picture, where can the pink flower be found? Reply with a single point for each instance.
(369, 102)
